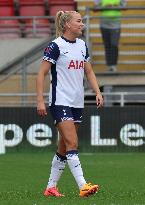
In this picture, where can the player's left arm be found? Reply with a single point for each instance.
(93, 83)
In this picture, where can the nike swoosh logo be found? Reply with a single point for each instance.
(65, 52)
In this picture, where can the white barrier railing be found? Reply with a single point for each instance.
(110, 99)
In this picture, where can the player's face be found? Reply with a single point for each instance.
(76, 25)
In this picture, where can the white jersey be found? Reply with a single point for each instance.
(67, 71)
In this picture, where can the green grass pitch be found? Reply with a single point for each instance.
(121, 176)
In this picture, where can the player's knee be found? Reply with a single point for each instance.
(73, 145)
(62, 150)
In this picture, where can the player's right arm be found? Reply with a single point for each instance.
(44, 69)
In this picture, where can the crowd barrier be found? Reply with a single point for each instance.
(110, 129)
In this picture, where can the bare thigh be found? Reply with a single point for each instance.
(68, 139)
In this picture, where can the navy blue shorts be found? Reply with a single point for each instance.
(61, 113)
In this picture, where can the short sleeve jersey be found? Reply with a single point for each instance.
(67, 71)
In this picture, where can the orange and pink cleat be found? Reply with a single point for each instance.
(88, 189)
(53, 191)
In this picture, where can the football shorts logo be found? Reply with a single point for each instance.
(64, 112)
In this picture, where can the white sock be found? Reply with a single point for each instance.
(75, 167)
(57, 167)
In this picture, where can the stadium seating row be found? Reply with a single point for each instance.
(34, 7)
(25, 8)
(132, 41)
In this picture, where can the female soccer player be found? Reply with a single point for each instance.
(67, 58)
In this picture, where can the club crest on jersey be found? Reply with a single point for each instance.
(48, 50)
(75, 64)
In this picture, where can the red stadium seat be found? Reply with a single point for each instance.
(57, 5)
(6, 2)
(32, 10)
(7, 8)
(42, 28)
(31, 2)
(55, 8)
(61, 2)
(6, 11)
(9, 29)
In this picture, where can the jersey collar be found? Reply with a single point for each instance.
(68, 40)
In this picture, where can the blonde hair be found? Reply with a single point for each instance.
(60, 21)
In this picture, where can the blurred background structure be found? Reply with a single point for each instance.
(26, 26)
(27, 141)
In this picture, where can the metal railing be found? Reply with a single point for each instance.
(110, 99)
(27, 26)
(21, 63)
(35, 28)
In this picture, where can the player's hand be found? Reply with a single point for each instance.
(41, 109)
(99, 100)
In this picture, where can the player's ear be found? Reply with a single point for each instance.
(67, 24)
